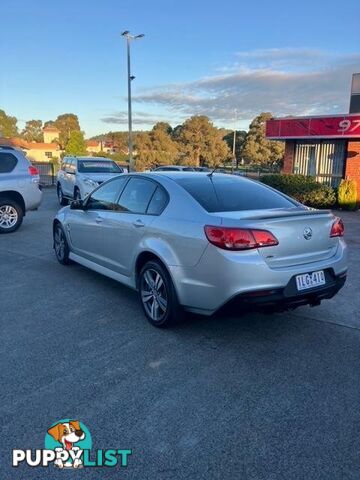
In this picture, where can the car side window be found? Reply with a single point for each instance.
(136, 195)
(8, 162)
(104, 198)
(158, 202)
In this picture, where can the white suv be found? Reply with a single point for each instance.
(79, 176)
(19, 188)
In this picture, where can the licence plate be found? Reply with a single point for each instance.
(310, 280)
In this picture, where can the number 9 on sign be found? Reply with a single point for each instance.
(344, 125)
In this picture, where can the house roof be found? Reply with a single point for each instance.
(43, 146)
(92, 143)
(50, 129)
(20, 143)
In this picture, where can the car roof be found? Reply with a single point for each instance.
(89, 159)
(177, 175)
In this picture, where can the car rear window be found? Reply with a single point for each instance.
(8, 162)
(226, 193)
(98, 166)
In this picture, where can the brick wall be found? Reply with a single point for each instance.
(352, 167)
(289, 156)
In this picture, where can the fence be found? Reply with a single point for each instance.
(46, 172)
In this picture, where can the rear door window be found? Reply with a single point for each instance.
(8, 162)
(136, 195)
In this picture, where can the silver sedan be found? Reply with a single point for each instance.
(196, 241)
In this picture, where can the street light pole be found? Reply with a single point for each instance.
(131, 159)
(233, 162)
(130, 37)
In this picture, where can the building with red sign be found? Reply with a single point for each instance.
(327, 147)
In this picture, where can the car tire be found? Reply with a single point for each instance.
(61, 246)
(157, 295)
(11, 215)
(62, 200)
(77, 194)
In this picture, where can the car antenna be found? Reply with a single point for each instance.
(211, 173)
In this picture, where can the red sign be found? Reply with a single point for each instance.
(338, 126)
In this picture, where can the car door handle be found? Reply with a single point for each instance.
(99, 219)
(138, 223)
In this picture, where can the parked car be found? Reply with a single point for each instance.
(174, 168)
(78, 176)
(19, 188)
(196, 241)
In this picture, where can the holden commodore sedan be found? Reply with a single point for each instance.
(193, 242)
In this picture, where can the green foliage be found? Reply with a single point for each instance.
(347, 194)
(66, 124)
(33, 131)
(256, 148)
(201, 143)
(8, 127)
(304, 189)
(155, 148)
(118, 157)
(76, 144)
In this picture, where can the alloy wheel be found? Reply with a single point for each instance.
(59, 244)
(153, 294)
(8, 216)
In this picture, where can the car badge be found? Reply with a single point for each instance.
(307, 233)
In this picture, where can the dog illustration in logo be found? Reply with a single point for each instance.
(67, 433)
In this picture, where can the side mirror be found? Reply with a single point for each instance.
(77, 205)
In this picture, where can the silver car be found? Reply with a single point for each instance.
(19, 188)
(78, 176)
(196, 241)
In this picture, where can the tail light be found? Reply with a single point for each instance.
(239, 238)
(33, 171)
(337, 229)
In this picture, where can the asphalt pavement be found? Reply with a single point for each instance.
(248, 397)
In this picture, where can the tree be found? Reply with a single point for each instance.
(201, 143)
(8, 125)
(155, 148)
(49, 123)
(256, 148)
(33, 131)
(76, 144)
(66, 124)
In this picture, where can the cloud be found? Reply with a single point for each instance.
(139, 118)
(283, 81)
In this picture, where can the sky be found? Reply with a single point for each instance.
(229, 60)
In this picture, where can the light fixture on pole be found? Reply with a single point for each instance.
(130, 37)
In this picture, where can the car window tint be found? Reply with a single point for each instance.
(104, 198)
(8, 162)
(136, 195)
(157, 202)
(226, 193)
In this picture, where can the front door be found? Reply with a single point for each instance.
(91, 230)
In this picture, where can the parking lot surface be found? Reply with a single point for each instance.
(231, 397)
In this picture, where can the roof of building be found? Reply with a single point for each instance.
(20, 143)
(92, 143)
(51, 129)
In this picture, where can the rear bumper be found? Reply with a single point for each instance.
(33, 197)
(288, 297)
(220, 277)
